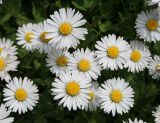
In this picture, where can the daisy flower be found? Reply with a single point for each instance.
(116, 96)
(85, 61)
(71, 89)
(152, 2)
(148, 25)
(25, 35)
(4, 115)
(20, 95)
(94, 100)
(57, 60)
(154, 67)
(0, 1)
(156, 114)
(135, 121)
(40, 36)
(65, 29)
(7, 64)
(112, 52)
(139, 57)
(7, 48)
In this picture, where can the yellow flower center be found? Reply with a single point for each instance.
(2, 64)
(62, 61)
(43, 37)
(152, 24)
(116, 96)
(73, 88)
(65, 28)
(84, 65)
(1, 49)
(113, 52)
(21, 94)
(136, 56)
(158, 67)
(29, 37)
(91, 95)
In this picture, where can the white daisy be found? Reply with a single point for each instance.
(94, 100)
(152, 2)
(116, 96)
(57, 60)
(148, 25)
(7, 47)
(156, 114)
(112, 52)
(135, 121)
(85, 62)
(64, 28)
(139, 57)
(7, 64)
(4, 115)
(154, 67)
(40, 36)
(20, 95)
(25, 35)
(0, 1)
(71, 89)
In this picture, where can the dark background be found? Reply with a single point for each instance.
(104, 17)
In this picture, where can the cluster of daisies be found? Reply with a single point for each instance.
(75, 85)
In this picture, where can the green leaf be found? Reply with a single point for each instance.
(105, 26)
(156, 47)
(97, 118)
(83, 4)
(40, 119)
(5, 18)
(78, 6)
(38, 12)
(21, 19)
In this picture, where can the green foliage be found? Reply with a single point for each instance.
(104, 17)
